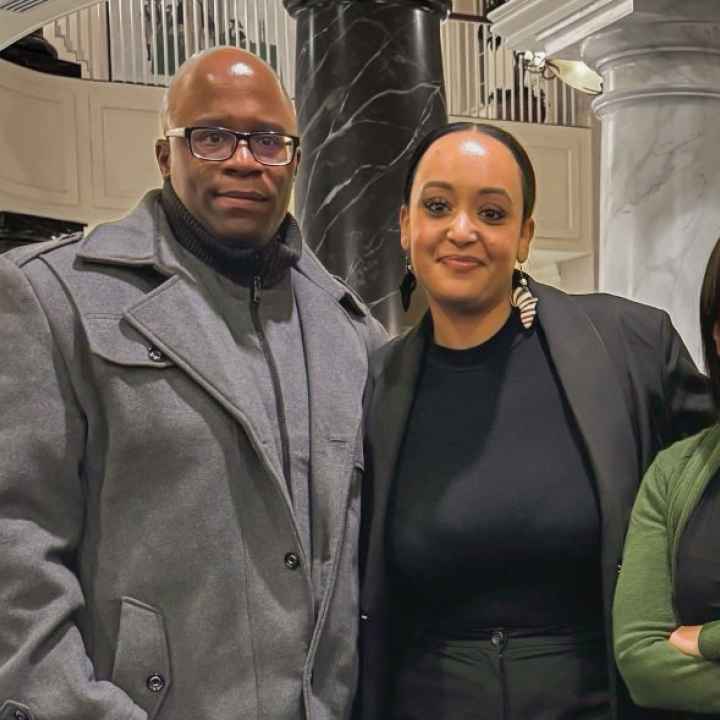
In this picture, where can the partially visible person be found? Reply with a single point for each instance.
(667, 603)
(181, 439)
(506, 437)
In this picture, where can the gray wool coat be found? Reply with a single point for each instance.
(144, 529)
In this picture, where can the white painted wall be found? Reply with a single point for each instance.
(72, 149)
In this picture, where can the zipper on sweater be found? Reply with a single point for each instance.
(255, 294)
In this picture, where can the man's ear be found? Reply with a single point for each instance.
(405, 228)
(527, 234)
(162, 155)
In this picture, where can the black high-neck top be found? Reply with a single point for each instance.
(494, 520)
(697, 572)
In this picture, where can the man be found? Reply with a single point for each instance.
(180, 439)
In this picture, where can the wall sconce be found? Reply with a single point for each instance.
(574, 73)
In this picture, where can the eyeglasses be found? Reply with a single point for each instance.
(217, 144)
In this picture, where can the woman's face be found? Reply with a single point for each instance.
(463, 228)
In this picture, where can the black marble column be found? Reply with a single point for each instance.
(369, 85)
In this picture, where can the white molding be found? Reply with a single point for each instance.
(40, 146)
(15, 25)
(633, 53)
(547, 273)
(124, 121)
(546, 266)
(73, 149)
(607, 100)
(554, 26)
(540, 257)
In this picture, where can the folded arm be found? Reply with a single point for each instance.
(658, 674)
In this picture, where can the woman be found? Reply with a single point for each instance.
(667, 604)
(502, 460)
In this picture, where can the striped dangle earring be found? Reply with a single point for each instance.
(524, 300)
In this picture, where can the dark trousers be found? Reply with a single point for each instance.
(503, 675)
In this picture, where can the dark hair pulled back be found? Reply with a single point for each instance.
(527, 172)
(709, 308)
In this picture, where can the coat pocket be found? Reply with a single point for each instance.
(142, 658)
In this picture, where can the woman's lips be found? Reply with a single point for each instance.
(460, 262)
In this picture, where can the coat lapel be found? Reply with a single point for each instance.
(179, 320)
(392, 397)
(595, 395)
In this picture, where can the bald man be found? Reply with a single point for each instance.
(180, 439)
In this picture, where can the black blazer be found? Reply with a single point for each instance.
(633, 390)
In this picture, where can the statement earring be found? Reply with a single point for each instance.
(408, 284)
(524, 300)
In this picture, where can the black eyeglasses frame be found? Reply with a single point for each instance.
(186, 133)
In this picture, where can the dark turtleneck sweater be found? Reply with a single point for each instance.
(237, 263)
(225, 274)
(494, 521)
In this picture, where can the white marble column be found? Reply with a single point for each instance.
(660, 116)
(660, 174)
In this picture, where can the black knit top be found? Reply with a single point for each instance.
(697, 572)
(494, 520)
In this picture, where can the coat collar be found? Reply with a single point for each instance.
(132, 241)
(137, 240)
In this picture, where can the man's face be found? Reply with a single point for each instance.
(239, 200)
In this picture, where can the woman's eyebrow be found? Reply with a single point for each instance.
(441, 184)
(494, 191)
(437, 184)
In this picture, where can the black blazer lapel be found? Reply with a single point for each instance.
(596, 397)
(389, 406)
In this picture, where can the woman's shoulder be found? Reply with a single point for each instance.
(621, 323)
(379, 358)
(701, 448)
(600, 305)
(397, 351)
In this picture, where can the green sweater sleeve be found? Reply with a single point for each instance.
(709, 640)
(657, 674)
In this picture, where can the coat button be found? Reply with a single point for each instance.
(155, 355)
(155, 683)
(292, 561)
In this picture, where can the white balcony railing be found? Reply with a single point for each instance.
(144, 41)
(484, 80)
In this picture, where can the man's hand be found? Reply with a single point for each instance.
(685, 639)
